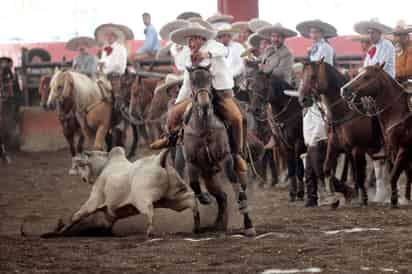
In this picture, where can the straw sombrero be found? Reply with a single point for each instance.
(254, 40)
(164, 52)
(401, 28)
(170, 80)
(122, 32)
(276, 28)
(201, 22)
(255, 24)
(359, 38)
(240, 26)
(172, 26)
(362, 27)
(188, 14)
(217, 18)
(180, 36)
(74, 43)
(129, 33)
(224, 28)
(328, 30)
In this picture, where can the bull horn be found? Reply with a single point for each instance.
(163, 158)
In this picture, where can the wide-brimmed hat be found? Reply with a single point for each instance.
(180, 36)
(240, 26)
(254, 40)
(328, 30)
(216, 18)
(170, 80)
(255, 24)
(164, 52)
(362, 27)
(74, 43)
(402, 28)
(201, 22)
(224, 28)
(170, 27)
(276, 28)
(188, 14)
(122, 32)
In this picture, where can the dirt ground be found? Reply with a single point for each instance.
(36, 188)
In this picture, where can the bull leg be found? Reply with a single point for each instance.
(188, 201)
(147, 209)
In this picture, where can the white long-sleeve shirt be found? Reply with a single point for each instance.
(222, 78)
(233, 58)
(314, 129)
(116, 61)
(180, 55)
(385, 52)
(321, 49)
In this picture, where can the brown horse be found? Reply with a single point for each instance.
(348, 131)
(267, 90)
(141, 96)
(386, 99)
(207, 150)
(6, 91)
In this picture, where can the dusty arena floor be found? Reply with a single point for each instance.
(36, 188)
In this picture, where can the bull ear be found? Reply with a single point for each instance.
(382, 65)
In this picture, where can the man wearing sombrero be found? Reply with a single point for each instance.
(319, 31)
(234, 49)
(381, 50)
(403, 47)
(84, 62)
(277, 59)
(205, 51)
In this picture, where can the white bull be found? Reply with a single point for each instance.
(123, 189)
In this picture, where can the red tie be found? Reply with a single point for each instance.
(108, 50)
(372, 52)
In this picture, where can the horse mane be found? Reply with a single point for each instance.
(337, 79)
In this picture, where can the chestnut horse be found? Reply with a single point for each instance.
(348, 131)
(207, 150)
(6, 91)
(386, 99)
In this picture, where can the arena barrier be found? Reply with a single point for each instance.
(40, 130)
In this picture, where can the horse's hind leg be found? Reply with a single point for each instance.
(360, 174)
(272, 165)
(408, 172)
(398, 166)
(236, 179)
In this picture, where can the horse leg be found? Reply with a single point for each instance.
(408, 172)
(69, 135)
(345, 170)
(194, 175)
(236, 178)
(3, 153)
(100, 137)
(180, 161)
(379, 168)
(272, 165)
(360, 173)
(80, 144)
(398, 166)
(215, 189)
(292, 178)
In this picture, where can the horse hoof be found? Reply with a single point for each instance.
(395, 206)
(250, 232)
(204, 198)
(335, 205)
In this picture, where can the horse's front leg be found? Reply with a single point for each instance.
(399, 165)
(100, 137)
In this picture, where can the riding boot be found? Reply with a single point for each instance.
(300, 190)
(292, 189)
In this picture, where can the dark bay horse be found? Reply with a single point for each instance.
(348, 131)
(6, 91)
(207, 150)
(386, 99)
(286, 121)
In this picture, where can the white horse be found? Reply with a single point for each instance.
(90, 101)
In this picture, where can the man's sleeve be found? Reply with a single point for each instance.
(285, 66)
(238, 65)
(217, 49)
(185, 89)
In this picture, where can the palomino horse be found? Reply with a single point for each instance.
(286, 119)
(385, 98)
(349, 132)
(6, 91)
(68, 121)
(92, 106)
(207, 150)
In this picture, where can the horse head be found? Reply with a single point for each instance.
(259, 85)
(44, 90)
(201, 83)
(366, 83)
(61, 91)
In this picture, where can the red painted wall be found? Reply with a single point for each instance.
(242, 10)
